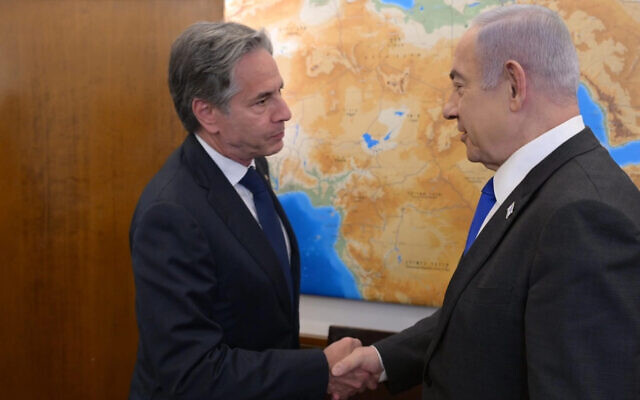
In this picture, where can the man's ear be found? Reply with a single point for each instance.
(206, 114)
(517, 84)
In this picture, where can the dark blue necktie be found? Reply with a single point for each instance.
(486, 202)
(269, 220)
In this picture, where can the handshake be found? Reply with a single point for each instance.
(353, 368)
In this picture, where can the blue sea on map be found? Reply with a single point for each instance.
(406, 4)
(594, 118)
(317, 228)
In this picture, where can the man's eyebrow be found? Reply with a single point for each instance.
(267, 93)
(263, 94)
(455, 74)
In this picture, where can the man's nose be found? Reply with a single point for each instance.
(450, 109)
(282, 112)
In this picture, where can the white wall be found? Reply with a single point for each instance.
(317, 313)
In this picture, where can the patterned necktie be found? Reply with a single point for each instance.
(485, 204)
(269, 220)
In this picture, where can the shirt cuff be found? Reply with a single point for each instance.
(383, 375)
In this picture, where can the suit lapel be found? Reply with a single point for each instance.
(226, 202)
(494, 231)
(293, 244)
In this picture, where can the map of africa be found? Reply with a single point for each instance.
(375, 181)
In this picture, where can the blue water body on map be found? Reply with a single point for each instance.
(473, 4)
(387, 136)
(399, 113)
(593, 117)
(322, 272)
(406, 4)
(371, 142)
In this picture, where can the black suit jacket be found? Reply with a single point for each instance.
(214, 314)
(546, 303)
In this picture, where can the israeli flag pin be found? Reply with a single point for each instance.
(510, 210)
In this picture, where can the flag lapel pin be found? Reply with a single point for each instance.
(510, 210)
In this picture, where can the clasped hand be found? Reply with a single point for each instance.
(353, 368)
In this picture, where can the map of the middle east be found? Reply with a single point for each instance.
(374, 179)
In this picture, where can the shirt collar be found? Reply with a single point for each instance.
(518, 165)
(232, 170)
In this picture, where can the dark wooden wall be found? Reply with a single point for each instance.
(85, 120)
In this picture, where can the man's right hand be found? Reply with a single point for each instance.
(361, 368)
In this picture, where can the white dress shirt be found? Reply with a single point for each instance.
(513, 171)
(234, 171)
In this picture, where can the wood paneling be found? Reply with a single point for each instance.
(85, 120)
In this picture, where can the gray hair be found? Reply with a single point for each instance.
(535, 37)
(202, 61)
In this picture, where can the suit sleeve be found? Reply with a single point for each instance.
(582, 319)
(175, 293)
(403, 353)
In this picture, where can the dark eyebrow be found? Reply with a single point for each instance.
(455, 74)
(263, 95)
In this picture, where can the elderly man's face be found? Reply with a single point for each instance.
(481, 114)
(254, 124)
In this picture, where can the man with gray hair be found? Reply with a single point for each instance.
(545, 301)
(215, 260)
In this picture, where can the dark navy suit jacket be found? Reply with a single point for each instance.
(546, 302)
(214, 314)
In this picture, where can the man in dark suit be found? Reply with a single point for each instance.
(545, 301)
(215, 261)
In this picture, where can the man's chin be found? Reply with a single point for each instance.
(275, 148)
(472, 156)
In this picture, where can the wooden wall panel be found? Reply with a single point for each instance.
(85, 120)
